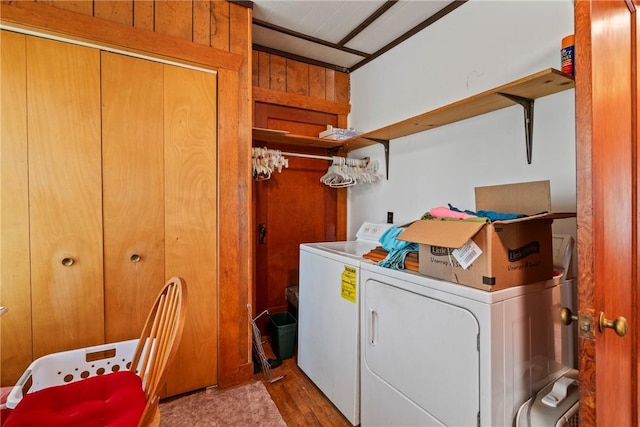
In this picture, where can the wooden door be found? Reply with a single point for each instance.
(160, 204)
(51, 200)
(65, 202)
(15, 278)
(607, 181)
(133, 169)
(190, 135)
(292, 207)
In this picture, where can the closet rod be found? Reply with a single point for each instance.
(312, 156)
(306, 156)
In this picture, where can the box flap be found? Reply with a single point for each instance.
(448, 234)
(527, 198)
(561, 215)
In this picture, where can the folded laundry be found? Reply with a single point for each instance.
(398, 249)
(395, 259)
(492, 215)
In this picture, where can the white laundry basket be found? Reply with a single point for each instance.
(73, 365)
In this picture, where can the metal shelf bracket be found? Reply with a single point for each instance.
(527, 104)
(385, 143)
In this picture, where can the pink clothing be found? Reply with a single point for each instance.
(442, 212)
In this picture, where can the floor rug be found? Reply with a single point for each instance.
(246, 405)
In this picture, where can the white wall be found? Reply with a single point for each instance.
(479, 46)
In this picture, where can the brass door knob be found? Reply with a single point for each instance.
(567, 317)
(619, 325)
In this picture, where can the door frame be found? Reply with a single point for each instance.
(607, 170)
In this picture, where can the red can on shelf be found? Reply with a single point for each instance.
(567, 55)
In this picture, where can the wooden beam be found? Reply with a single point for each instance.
(45, 19)
(270, 96)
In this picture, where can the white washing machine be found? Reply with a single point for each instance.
(436, 353)
(329, 316)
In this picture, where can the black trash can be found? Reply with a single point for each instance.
(283, 334)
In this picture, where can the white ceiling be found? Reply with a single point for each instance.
(316, 31)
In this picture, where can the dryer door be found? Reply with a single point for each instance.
(420, 360)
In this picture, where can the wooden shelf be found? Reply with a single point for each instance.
(522, 91)
(284, 137)
(537, 85)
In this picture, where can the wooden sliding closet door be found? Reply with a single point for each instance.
(105, 150)
(159, 166)
(51, 200)
(190, 134)
(15, 289)
(133, 170)
(65, 202)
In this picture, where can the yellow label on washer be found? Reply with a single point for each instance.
(349, 281)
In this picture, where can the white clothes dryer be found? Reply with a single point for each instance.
(435, 353)
(329, 316)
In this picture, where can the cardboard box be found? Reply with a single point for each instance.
(501, 254)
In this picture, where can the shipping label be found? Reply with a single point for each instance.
(467, 254)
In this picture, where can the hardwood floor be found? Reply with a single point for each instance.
(299, 401)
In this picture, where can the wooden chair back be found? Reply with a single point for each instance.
(158, 345)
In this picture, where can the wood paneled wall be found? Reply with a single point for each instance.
(209, 33)
(163, 27)
(294, 77)
(286, 82)
(204, 22)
